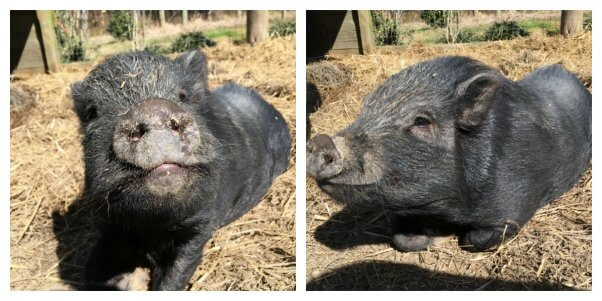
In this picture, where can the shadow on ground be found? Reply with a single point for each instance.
(352, 227)
(382, 275)
(76, 234)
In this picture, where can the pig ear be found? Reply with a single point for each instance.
(195, 62)
(85, 108)
(475, 97)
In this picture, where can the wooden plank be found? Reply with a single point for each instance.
(323, 28)
(364, 22)
(25, 47)
(347, 37)
(32, 55)
(350, 51)
(49, 42)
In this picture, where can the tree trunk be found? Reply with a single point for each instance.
(138, 41)
(571, 22)
(184, 17)
(257, 26)
(452, 24)
(161, 18)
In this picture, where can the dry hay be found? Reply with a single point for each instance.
(350, 250)
(256, 252)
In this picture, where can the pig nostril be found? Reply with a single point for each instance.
(137, 133)
(175, 126)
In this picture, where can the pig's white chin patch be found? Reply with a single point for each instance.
(167, 179)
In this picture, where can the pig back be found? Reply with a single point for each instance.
(566, 106)
(256, 143)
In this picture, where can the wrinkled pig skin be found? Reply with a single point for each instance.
(452, 147)
(167, 161)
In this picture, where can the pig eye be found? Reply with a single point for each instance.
(421, 121)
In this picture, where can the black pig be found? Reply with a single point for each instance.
(450, 146)
(167, 161)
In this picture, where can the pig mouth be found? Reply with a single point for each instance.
(167, 168)
(168, 178)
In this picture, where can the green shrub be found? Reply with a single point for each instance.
(505, 30)
(156, 49)
(587, 22)
(120, 24)
(191, 41)
(71, 44)
(386, 31)
(466, 36)
(283, 28)
(433, 18)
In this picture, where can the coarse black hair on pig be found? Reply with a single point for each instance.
(450, 146)
(167, 161)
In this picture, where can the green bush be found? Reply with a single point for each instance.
(283, 28)
(587, 22)
(433, 18)
(505, 30)
(191, 41)
(120, 24)
(386, 31)
(156, 49)
(71, 45)
(466, 36)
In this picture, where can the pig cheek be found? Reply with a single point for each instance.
(424, 133)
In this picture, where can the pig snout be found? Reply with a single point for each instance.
(156, 132)
(323, 158)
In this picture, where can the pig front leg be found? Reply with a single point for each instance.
(409, 235)
(483, 239)
(116, 263)
(178, 262)
(417, 233)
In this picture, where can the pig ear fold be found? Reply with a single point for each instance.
(475, 98)
(195, 62)
(85, 108)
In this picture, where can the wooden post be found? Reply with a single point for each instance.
(571, 22)
(184, 17)
(49, 42)
(365, 29)
(257, 26)
(161, 18)
(134, 25)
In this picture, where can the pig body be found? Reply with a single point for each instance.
(450, 146)
(168, 162)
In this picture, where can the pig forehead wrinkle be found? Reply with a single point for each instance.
(129, 81)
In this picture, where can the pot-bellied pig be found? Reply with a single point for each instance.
(450, 146)
(167, 161)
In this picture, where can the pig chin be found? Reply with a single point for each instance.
(167, 179)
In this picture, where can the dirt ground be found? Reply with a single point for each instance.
(351, 251)
(51, 236)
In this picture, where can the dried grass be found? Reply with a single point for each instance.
(256, 252)
(553, 251)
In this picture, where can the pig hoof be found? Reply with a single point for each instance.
(138, 280)
(411, 243)
(482, 239)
